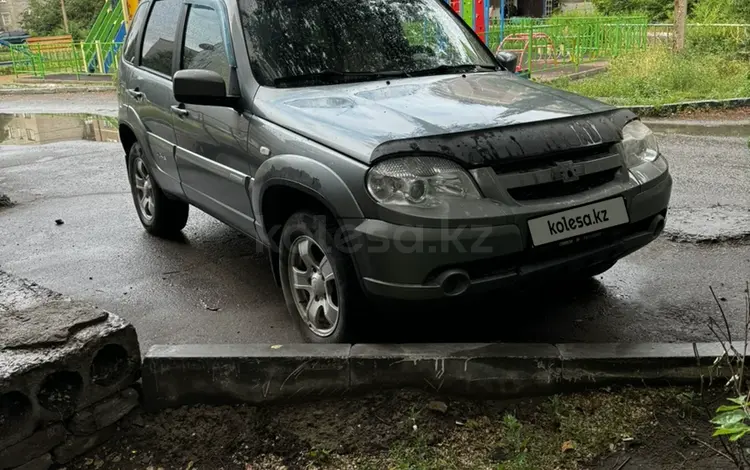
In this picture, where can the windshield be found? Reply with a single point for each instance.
(332, 41)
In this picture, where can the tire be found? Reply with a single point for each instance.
(160, 216)
(317, 233)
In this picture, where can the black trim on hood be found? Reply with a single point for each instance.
(512, 142)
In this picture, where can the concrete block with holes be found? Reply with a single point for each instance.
(59, 359)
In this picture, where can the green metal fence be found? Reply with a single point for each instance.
(555, 46)
(44, 60)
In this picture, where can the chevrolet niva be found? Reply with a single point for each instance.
(376, 149)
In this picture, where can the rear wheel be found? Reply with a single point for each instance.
(159, 215)
(318, 279)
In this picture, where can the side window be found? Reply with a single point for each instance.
(205, 47)
(158, 40)
(135, 27)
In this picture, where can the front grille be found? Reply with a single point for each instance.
(547, 160)
(562, 189)
(559, 174)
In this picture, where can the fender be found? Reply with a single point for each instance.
(166, 181)
(307, 175)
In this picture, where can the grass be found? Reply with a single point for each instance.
(658, 76)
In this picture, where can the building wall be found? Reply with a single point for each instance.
(11, 14)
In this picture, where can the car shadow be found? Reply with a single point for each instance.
(535, 314)
(232, 268)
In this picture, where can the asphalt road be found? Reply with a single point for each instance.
(171, 290)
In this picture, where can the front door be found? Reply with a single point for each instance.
(212, 140)
(150, 89)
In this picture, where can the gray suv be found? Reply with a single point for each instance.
(377, 150)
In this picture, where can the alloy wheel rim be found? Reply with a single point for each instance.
(144, 189)
(313, 285)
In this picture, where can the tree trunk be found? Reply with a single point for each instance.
(680, 20)
(65, 17)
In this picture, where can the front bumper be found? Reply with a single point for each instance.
(405, 262)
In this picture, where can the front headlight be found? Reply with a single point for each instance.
(639, 144)
(419, 182)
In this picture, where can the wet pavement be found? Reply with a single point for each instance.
(104, 104)
(214, 285)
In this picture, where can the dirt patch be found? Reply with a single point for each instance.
(650, 428)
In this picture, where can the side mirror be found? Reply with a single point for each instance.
(202, 87)
(509, 60)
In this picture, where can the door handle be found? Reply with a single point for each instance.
(180, 111)
(135, 93)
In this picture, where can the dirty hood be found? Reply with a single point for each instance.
(463, 116)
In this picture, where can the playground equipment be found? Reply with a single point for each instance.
(542, 43)
(106, 36)
(60, 56)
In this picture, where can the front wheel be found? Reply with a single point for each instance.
(318, 279)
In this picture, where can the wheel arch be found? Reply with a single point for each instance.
(127, 137)
(287, 184)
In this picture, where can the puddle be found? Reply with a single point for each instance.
(34, 129)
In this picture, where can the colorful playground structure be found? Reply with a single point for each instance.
(542, 44)
(96, 55)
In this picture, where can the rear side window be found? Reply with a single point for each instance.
(135, 27)
(159, 37)
(205, 47)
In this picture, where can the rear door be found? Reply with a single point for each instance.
(150, 87)
(212, 140)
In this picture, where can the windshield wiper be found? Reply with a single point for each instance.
(336, 76)
(461, 68)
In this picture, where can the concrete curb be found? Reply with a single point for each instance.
(56, 90)
(255, 373)
(673, 108)
(707, 128)
(696, 123)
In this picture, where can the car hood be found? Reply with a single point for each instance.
(367, 120)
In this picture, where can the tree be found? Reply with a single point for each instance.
(656, 10)
(44, 17)
(704, 11)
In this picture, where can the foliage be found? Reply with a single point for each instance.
(659, 76)
(732, 421)
(656, 10)
(701, 11)
(719, 41)
(732, 40)
(721, 11)
(44, 17)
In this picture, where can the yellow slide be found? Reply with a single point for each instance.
(131, 6)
